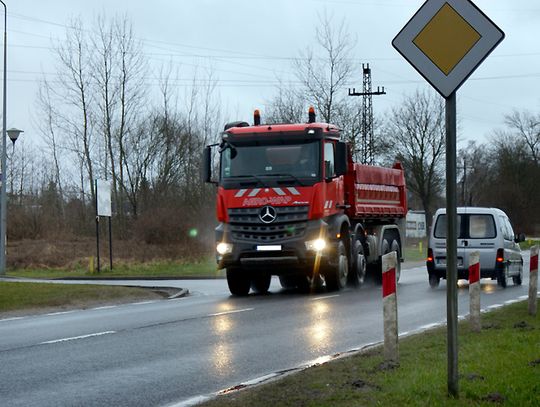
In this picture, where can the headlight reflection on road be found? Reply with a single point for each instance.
(320, 332)
(221, 359)
(222, 352)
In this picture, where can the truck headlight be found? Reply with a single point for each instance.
(224, 248)
(317, 245)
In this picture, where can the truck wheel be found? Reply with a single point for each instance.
(300, 282)
(385, 249)
(238, 281)
(336, 274)
(434, 280)
(395, 247)
(261, 283)
(288, 282)
(358, 272)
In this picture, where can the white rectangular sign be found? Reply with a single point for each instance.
(103, 193)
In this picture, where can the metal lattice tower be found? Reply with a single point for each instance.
(366, 149)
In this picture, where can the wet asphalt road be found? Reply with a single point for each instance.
(171, 352)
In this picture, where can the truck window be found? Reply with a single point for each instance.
(329, 158)
(297, 158)
(482, 226)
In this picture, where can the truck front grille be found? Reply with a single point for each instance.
(291, 222)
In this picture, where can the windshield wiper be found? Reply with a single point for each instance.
(294, 177)
(257, 179)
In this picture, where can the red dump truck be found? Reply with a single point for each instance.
(291, 202)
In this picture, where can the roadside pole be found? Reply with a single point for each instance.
(533, 282)
(474, 292)
(445, 41)
(451, 246)
(389, 262)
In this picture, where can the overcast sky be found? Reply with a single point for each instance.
(249, 43)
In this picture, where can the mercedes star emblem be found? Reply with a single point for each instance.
(267, 214)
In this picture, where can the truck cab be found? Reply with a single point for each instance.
(284, 202)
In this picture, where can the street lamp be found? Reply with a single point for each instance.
(3, 200)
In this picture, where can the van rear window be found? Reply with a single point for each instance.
(469, 226)
(440, 227)
(481, 227)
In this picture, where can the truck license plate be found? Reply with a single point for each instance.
(269, 248)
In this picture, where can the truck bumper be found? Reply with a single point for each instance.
(277, 257)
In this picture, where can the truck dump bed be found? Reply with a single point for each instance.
(378, 191)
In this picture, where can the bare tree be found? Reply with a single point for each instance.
(526, 126)
(416, 131)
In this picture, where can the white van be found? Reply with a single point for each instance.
(486, 230)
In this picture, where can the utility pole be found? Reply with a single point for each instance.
(366, 145)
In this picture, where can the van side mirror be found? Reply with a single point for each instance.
(207, 165)
(520, 238)
(341, 158)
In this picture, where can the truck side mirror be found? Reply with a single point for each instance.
(207, 165)
(341, 158)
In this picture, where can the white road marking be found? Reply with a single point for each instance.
(74, 338)
(105, 307)
(324, 297)
(11, 319)
(61, 312)
(193, 401)
(234, 311)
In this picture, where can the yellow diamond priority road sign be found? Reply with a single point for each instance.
(446, 40)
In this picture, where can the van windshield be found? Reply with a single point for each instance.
(469, 226)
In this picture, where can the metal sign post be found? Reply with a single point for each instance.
(103, 208)
(445, 41)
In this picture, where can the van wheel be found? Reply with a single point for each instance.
(396, 248)
(503, 277)
(358, 272)
(336, 274)
(434, 280)
(261, 283)
(519, 278)
(238, 281)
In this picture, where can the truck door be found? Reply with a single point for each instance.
(334, 185)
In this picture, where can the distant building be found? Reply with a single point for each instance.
(415, 224)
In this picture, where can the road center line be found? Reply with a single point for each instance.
(234, 311)
(78, 337)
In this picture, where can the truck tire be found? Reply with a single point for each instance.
(238, 281)
(260, 283)
(396, 247)
(299, 282)
(385, 249)
(358, 272)
(336, 273)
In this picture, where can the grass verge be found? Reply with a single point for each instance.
(498, 366)
(204, 268)
(17, 297)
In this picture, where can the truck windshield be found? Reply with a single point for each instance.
(299, 160)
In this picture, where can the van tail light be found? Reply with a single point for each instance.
(500, 255)
(429, 255)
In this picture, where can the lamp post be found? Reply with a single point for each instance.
(3, 200)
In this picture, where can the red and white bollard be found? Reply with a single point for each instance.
(533, 281)
(474, 291)
(389, 262)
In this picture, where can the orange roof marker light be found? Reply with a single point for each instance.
(256, 117)
(311, 115)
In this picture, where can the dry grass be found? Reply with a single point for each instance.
(74, 253)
